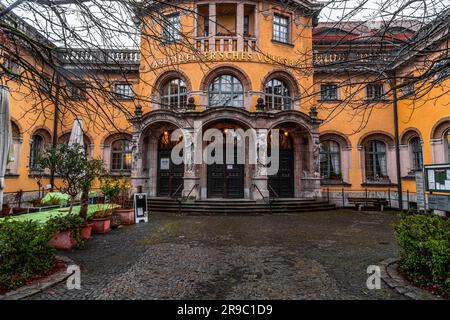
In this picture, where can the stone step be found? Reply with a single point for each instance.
(235, 206)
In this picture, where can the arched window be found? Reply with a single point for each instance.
(174, 94)
(416, 154)
(36, 147)
(121, 155)
(447, 136)
(13, 166)
(330, 160)
(226, 91)
(375, 156)
(278, 96)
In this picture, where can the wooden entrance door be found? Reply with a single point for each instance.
(282, 183)
(226, 180)
(170, 175)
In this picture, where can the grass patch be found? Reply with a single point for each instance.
(43, 217)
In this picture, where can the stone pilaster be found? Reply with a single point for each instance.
(240, 26)
(136, 160)
(191, 187)
(259, 188)
(212, 26)
(311, 181)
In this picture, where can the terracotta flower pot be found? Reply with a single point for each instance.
(63, 241)
(126, 215)
(101, 225)
(86, 231)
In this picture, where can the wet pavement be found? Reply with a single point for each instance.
(317, 255)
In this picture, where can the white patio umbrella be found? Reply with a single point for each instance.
(76, 135)
(5, 137)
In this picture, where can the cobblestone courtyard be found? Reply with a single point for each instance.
(318, 255)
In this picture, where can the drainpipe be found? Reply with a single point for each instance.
(396, 142)
(55, 130)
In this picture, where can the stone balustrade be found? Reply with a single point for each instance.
(98, 56)
(354, 58)
(225, 44)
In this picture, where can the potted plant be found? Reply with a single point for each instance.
(125, 212)
(77, 174)
(66, 230)
(102, 218)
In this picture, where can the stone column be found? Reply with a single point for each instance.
(240, 26)
(212, 26)
(259, 188)
(191, 187)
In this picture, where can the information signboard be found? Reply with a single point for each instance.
(140, 207)
(437, 177)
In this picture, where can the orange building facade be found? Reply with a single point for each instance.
(237, 65)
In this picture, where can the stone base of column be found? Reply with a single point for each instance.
(259, 189)
(189, 189)
(310, 188)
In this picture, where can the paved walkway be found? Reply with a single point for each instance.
(320, 255)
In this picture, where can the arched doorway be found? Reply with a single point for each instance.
(225, 179)
(169, 174)
(281, 184)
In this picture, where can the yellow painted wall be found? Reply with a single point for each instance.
(344, 118)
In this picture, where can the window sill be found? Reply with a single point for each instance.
(122, 99)
(169, 42)
(378, 184)
(11, 175)
(289, 44)
(378, 101)
(329, 101)
(120, 173)
(335, 183)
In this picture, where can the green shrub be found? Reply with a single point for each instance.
(69, 222)
(24, 252)
(55, 198)
(424, 240)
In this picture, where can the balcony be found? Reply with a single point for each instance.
(226, 27)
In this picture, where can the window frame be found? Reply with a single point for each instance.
(273, 96)
(373, 97)
(277, 38)
(447, 141)
(329, 159)
(169, 28)
(416, 153)
(373, 160)
(179, 95)
(82, 88)
(122, 96)
(35, 151)
(122, 154)
(336, 88)
(228, 93)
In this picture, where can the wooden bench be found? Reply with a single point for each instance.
(375, 202)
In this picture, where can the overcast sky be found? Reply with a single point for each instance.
(115, 22)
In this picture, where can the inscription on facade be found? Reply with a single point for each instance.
(218, 56)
